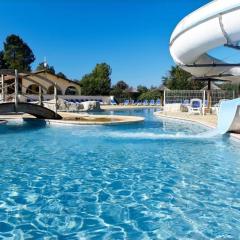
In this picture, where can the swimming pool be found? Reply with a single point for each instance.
(151, 180)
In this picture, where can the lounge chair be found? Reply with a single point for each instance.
(152, 102)
(186, 102)
(195, 106)
(139, 103)
(113, 102)
(185, 105)
(132, 102)
(206, 103)
(158, 102)
(126, 102)
(145, 102)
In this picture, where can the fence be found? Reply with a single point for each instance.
(213, 96)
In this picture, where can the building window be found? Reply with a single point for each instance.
(71, 91)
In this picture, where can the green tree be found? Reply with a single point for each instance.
(151, 94)
(17, 54)
(121, 85)
(98, 82)
(179, 79)
(3, 64)
(142, 89)
(119, 90)
(48, 68)
(117, 93)
(61, 75)
(228, 86)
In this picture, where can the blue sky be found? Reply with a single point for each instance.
(130, 35)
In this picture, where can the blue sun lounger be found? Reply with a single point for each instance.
(158, 102)
(152, 102)
(145, 102)
(113, 102)
(132, 102)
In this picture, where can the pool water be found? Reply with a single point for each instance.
(160, 179)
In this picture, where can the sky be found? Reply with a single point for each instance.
(132, 36)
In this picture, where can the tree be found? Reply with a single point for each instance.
(142, 89)
(48, 68)
(121, 85)
(3, 64)
(98, 82)
(228, 86)
(151, 94)
(179, 79)
(17, 54)
(119, 90)
(61, 75)
(88, 85)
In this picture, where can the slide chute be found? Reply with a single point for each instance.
(213, 25)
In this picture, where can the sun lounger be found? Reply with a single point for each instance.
(158, 102)
(113, 102)
(152, 102)
(145, 102)
(195, 106)
(139, 103)
(185, 105)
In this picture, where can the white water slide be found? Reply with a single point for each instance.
(215, 24)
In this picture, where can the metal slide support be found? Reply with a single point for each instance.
(229, 43)
(225, 34)
(16, 90)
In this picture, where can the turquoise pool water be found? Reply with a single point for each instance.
(152, 180)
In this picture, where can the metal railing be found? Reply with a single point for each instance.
(212, 96)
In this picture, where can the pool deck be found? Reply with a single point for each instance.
(207, 120)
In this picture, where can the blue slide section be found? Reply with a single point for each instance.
(228, 117)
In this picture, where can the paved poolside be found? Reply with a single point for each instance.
(208, 120)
